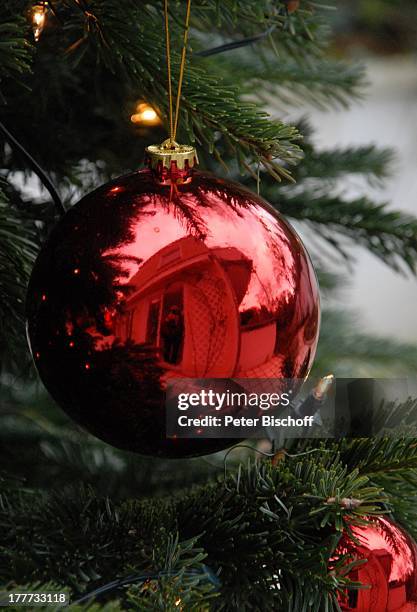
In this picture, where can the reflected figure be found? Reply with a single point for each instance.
(172, 333)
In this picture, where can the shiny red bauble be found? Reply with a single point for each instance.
(140, 283)
(389, 575)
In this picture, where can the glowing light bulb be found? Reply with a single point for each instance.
(145, 115)
(149, 114)
(39, 19)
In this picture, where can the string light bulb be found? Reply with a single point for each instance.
(145, 115)
(322, 388)
(39, 12)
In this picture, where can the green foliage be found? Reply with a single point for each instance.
(98, 39)
(389, 234)
(15, 50)
(185, 583)
(56, 450)
(188, 544)
(325, 166)
(136, 535)
(17, 250)
(328, 83)
(282, 520)
(347, 350)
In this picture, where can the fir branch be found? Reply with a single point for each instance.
(15, 50)
(358, 353)
(300, 35)
(277, 518)
(247, 15)
(389, 234)
(18, 247)
(402, 492)
(374, 163)
(322, 83)
(185, 581)
(208, 105)
(390, 463)
(382, 456)
(262, 504)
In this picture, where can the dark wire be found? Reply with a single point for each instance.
(236, 44)
(141, 578)
(41, 174)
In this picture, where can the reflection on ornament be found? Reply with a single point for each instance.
(145, 115)
(39, 12)
(116, 189)
(390, 573)
(224, 289)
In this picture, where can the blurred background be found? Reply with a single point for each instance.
(386, 117)
(382, 35)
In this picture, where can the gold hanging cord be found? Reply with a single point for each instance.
(173, 122)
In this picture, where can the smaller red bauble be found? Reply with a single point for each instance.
(389, 575)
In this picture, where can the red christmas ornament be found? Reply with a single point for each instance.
(390, 573)
(167, 272)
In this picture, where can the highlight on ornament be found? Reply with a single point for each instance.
(38, 17)
(145, 115)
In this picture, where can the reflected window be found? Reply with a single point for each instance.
(169, 256)
(153, 322)
(129, 323)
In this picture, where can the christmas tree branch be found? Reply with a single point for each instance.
(357, 352)
(389, 234)
(300, 34)
(278, 518)
(15, 50)
(378, 456)
(18, 247)
(322, 83)
(374, 163)
(208, 104)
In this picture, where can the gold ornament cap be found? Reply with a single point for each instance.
(171, 163)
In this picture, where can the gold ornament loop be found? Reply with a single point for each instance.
(173, 163)
(173, 122)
